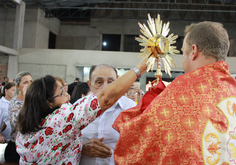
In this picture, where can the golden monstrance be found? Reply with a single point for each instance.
(157, 46)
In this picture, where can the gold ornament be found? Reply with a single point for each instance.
(157, 47)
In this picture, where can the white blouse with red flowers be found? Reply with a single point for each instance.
(60, 141)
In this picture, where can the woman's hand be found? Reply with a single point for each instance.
(142, 66)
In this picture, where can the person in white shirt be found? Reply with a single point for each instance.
(9, 89)
(99, 138)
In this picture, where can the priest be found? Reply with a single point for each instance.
(193, 120)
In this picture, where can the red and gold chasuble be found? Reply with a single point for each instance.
(193, 121)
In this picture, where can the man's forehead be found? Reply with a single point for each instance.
(103, 71)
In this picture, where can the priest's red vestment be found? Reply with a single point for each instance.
(192, 121)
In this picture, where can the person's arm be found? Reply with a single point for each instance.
(110, 94)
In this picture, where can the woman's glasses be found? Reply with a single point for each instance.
(62, 93)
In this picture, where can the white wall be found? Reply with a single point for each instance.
(40, 62)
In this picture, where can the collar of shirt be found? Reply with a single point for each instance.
(4, 100)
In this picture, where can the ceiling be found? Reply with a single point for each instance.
(184, 10)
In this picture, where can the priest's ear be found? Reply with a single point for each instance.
(195, 52)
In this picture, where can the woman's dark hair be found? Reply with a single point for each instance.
(36, 104)
(7, 86)
(71, 87)
(81, 88)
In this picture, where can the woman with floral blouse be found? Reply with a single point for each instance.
(50, 127)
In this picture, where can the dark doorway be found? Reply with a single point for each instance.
(52, 41)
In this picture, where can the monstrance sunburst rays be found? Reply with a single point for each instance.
(157, 47)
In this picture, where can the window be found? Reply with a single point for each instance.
(111, 42)
(179, 44)
(130, 44)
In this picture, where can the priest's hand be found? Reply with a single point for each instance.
(95, 148)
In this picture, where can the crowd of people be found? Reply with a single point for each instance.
(18, 102)
(48, 121)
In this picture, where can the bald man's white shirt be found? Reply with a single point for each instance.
(102, 127)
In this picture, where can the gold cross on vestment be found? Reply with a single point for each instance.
(128, 124)
(152, 154)
(202, 87)
(121, 160)
(147, 130)
(208, 110)
(171, 162)
(191, 149)
(134, 146)
(196, 72)
(178, 82)
(126, 118)
(168, 136)
(189, 123)
(183, 98)
(164, 112)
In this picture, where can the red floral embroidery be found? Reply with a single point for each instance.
(49, 131)
(25, 159)
(54, 148)
(59, 145)
(41, 139)
(94, 104)
(63, 164)
(79, 135)
(38, 155)
(34, 164)
(65, 147)
(82, 100)
(82, 127)
(75, 106)
(57, 111)
(76, 147)
(34, 144)
(70, 117)
(27, 144)
(68, 127)
(99, 113)
(42, 122)
(60, 133)
(69, 163)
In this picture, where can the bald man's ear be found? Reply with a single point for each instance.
(89, 84)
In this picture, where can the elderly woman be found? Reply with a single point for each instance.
(23, 79)
(50, 127)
